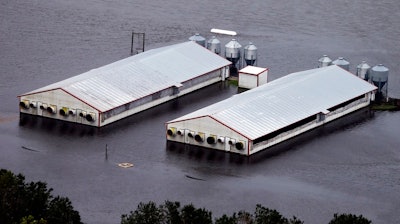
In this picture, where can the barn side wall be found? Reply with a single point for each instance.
(319, 120)
(162, 96)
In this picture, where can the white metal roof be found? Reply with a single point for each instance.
(253, 70)
(140, 75)
(284, 101)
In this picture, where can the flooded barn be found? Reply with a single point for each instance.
(274, 112)
(112, 92)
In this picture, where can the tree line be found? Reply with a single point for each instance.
(32, 202)
(173, 213)
(24, 202)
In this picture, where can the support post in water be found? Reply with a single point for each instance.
(106, 152)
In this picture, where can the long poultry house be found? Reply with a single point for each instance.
(249, 122)
(112, 92)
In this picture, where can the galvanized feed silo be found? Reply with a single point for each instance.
(232, 51)
(198, 39)
(363, 70)
(324, 61)
(214, 45)
(341, 62)
(379, 76)
(250, 54)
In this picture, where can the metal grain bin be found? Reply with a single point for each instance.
(198, 39)
(379, 75)
(324, 61)
(341, 62)
(214, 45)
(232, 51)
(250, 54)
(363, 70)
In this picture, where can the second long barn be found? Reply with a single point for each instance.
(249, 122)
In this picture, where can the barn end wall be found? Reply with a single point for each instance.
(207, 132)
(57, 104)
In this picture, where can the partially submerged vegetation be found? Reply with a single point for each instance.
(390, 105)
(233, 81)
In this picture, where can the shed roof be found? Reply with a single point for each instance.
(140, 75)
(252, 70)
(284, 101)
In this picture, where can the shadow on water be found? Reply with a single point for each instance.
(58, 127)
(200, 154)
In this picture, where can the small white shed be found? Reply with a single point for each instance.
(251, 77)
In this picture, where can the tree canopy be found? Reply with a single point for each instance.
(172, 213)
(31, 203)
(24, 202)
(349, 219)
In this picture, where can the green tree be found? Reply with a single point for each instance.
(146, 213)
(224, 219)
(294, 220)
(61, 211)
(271, 216)
(32, 202)
(169, 212)
(192, 215)
(37, 198)
(245, 217)
(18, 199)
(242, 217)
(349, 219)
(172, 212)
(264, 215)
(31, 220)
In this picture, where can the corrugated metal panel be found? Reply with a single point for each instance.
(140, 75)
(285, 101)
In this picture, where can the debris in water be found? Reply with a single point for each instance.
(26, 148)
(125, 165)
(194, 178)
